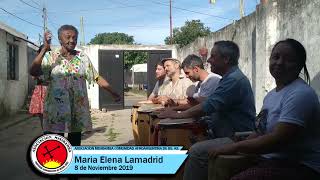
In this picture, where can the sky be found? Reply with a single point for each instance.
(146, 20)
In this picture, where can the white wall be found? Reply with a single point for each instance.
(92, 52)
(12, 92)
(258, 32)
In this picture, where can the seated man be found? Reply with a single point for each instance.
(207, 82)
(288, 140)
(161, 76)
(177, 87)
(232, 105)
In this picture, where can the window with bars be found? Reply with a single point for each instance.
(13, 62)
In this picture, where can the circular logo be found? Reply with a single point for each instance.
(51, 153)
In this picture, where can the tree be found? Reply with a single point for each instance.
(130, 57)
(188, 33)
(112, 38)
(134, 57)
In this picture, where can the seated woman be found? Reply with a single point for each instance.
(289, 140)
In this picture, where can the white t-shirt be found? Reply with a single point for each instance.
(182, 89)
(207, 86)
(157, 88)
(298, 104)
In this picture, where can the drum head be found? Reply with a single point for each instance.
(147, 108)
(136, 105)
(145, 102)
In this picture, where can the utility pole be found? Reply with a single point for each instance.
(82, 42)
(40, 39)
(45, 19)
(241, 6)
(171, 40)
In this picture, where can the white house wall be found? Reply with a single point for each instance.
(12, 92)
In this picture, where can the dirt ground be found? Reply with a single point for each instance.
(18, 131)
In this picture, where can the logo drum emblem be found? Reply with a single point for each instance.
(51, 154)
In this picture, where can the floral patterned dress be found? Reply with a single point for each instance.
(66, 104)
(37, 100)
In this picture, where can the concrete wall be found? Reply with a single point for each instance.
(303, 24)
(31, 54)
(258, 32)
(12, 92)
(92, 52)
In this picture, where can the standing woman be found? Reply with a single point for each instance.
(37, 99)
(67, 70)
(289, 139)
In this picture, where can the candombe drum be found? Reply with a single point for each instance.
(179, 132)
(154, 120)
(134, 123)
(182, 132)
(144, 120)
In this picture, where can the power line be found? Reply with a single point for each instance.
(197, 12)
(36, 3)
(113, 25)
(20, 18)
(24, 12)
(183, 9)
(89, 25)
(128, 26)
(90, 10)
(82, 10)
(29, 5)
(127, 6)
(52, 23)
(53, 27)
(117, 2)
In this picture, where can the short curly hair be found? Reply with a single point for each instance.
(67, 27)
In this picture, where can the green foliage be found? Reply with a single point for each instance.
(134, 57)
(112, 135)
(188, 33)
(112, 38)
(130, 57)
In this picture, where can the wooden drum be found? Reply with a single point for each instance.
(154, 120)
(143, 122)
(134, 123)
(182, 132)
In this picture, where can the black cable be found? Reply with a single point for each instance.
(197, 12)
(30, 5)
(20, 18)
(36, 3)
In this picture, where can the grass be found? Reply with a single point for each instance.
(111, 135)
(137, 91)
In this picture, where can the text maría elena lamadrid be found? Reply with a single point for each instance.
(105, 159)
